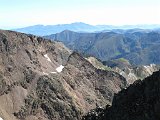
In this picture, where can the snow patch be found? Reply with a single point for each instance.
(54, 72)
(1, 118)
(60, 68)
(44, 74)
(46, 56)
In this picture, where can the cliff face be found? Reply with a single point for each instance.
(40, 79)
(140, 101)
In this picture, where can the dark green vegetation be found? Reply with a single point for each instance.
(137, 46)
(140, 101)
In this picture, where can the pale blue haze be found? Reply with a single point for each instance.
(20, 13)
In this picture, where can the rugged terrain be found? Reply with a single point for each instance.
(140, 47)
(124, 68)
(140, 101)
(42, 79)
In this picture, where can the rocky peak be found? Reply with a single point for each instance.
(41, 79)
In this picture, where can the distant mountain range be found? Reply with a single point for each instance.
(138, 46)
(42, 30)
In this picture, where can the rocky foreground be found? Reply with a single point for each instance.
(44, 80)
(140, 101)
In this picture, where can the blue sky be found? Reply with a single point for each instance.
(20, 13)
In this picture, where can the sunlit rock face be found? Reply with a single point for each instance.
(124, 68)
(136, 73)
(41, 79)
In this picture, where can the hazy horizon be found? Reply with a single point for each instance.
(83, 23)
(22, 13)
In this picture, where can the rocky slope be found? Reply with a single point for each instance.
(134, 73)
(124, 68)
(40, 79)
(98, 64)
(131, 72)
(140, 101)
(139, 47)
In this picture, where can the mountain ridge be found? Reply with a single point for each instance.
(139, 47)
(42, 30)
(43, 79)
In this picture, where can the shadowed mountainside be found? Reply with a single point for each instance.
(139, 47)
(140, 101)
